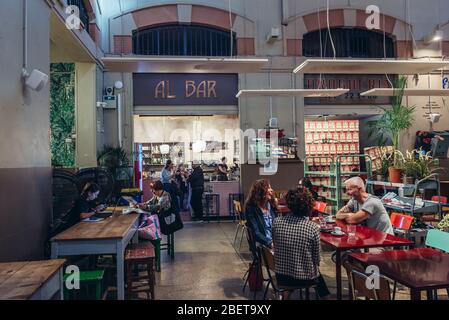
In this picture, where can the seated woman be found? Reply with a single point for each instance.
(82, 208)
(161, 200)
(260, 212)
(297, 245)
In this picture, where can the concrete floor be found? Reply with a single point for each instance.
(207, 266)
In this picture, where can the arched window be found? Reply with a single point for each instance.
(349, 43)
(184, 40)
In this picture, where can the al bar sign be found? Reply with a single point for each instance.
(158, 89)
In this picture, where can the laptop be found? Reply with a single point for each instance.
(130, 200)
(102, 215)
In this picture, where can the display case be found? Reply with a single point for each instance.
(154, 156)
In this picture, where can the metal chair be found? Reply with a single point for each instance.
(357, 284)
(439, 240)
(269, 263)
(241, 225)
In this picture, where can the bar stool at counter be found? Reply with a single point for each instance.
(231, 204)
(212, 205)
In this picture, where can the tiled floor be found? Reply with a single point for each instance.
(208, 267)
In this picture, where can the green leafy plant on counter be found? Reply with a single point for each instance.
(386, 161)
(394, 120)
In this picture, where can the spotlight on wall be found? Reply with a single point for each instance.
(435, 36)
(118, 85)
(36, 81)
(435, 117)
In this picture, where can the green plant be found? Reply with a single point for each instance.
(113, 158)
(62, 114)
(444, 224)
(394, 120)
(386, 161)
(410, 165)
(425, 164)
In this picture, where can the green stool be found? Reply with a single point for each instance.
(169, 246)
(86, 278)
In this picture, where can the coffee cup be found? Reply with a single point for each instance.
(329, 219)
(337, 230)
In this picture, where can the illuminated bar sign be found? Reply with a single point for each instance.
(355, 83)
(158, 89)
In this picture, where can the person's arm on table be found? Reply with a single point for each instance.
(357, 218)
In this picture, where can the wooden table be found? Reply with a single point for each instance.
(110, 236)
(364, 238)
(419, 269)
(31, 280)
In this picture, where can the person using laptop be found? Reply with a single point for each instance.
(81, 209)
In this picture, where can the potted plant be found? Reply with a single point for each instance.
(410, 168)
(393, 122)
(425, 165)
(386, 161)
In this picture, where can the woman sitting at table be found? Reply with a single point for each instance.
(160, 201)
(81, 209)
(260, 210)
(297, 245)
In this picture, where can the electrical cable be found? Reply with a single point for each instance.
(329, 29)
(231, 30)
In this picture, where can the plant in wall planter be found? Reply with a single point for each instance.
(393, 122)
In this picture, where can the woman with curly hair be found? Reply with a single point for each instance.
(297, 243)
(260, 208)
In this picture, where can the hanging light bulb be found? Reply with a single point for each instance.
(165, 149)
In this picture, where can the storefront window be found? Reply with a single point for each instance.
(349, 43)
(179, 40)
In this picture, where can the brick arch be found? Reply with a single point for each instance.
(354, 18)
(189, 14)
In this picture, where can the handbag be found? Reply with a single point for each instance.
(255, 277)
(170, 222)
(150, 228)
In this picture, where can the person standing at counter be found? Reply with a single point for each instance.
(223, 170)
(196, 180)
(181, 181)
(167, 175)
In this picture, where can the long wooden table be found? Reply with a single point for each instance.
(109, 236)
(419, 269)
(31, 280)
(364, 238)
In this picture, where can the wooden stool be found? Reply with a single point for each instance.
(140, 254)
